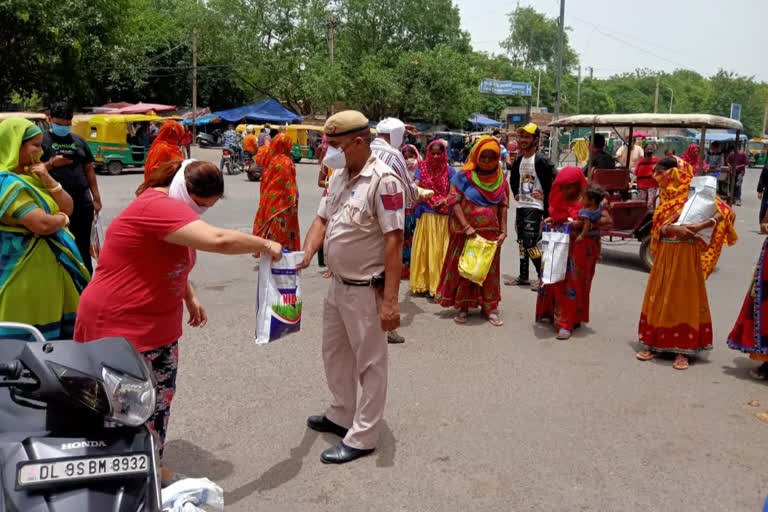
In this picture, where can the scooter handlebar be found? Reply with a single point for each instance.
(11, 369)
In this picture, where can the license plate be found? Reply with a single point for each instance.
(82, 468)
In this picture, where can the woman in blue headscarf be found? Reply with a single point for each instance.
(41, 270)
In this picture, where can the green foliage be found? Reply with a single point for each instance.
(534, 38)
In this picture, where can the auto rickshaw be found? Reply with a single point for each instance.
(115, 140)
(757, 149)
(633, 218)
(306, 140)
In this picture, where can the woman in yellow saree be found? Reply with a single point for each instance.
(675, 317)
(41, 270)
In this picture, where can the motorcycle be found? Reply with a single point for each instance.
(252, 171)
(230, 160)
(72, 426)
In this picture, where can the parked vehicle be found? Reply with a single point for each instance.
(633, 219)
(209, 140)
(72, 426)
(306, 140)
(116, 141)
(252, 171)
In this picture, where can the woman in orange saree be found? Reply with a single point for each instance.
(675, 317)
(165, 148)
(278, 215)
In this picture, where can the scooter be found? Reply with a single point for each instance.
(209, 140)
(72, 426)
(252, 171)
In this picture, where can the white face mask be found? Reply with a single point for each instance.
(411, 163)
(178, 190)
(335, 158)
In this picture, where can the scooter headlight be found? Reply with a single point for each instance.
(132, 400)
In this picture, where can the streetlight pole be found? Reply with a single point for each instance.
(671, 98)
(555, 133)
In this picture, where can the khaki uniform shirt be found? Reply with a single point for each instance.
(359, 212)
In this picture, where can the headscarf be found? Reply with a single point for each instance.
(165, 147)
(415, 151)
(559, 209)
(395, 128)
(484, 188)
(435, 175)
(691, 156)
(13, 133)
(279, 154)
(672, 199)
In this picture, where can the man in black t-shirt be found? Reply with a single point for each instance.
(70, 162)
(600, 158)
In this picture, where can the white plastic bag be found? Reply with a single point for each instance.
(97, 237)
(191, 493)
(554, 255)
(701, 204)
(278, 298)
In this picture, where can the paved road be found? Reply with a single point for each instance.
(478, 418)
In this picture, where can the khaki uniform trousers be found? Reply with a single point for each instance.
(355, 349)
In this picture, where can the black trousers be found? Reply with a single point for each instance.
(528, 223)
(80, 224)
(763, 208)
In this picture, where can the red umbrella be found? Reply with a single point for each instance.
(639, 134)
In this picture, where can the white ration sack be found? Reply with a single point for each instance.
(278, 297)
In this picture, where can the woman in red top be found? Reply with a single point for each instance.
(141, 281)
(186, 142)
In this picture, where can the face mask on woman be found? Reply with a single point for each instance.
(335, 158)
(411, 163)
(178, 190)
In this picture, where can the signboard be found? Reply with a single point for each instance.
(736, 111)
(505, 87)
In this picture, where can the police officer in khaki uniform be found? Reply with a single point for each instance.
(360, 226)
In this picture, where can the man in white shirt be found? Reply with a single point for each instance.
(530, 179)
(634, 156)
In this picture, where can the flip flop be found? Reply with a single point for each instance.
(516, 282)
(461, 317)
(645, 355)
(680, 364)
(493, 318)
(563, 335)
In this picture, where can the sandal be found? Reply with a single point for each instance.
(760, 373)
(461, 317)
(493, 317)
(535, 287)
(327, 275)
(681, 362)
(645, 355)
(517, 282)
(563, 335)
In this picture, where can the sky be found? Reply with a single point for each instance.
(619, 36)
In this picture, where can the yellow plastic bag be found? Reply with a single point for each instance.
(476, 259)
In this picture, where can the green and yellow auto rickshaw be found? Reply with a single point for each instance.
(757, 149)
(116, 141)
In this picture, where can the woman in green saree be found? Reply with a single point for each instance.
(41, 270)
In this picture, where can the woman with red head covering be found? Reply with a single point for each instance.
(165, 148)
(430, 239)
(278, 215)
(479, 199)
(566, 303)
(413, 161)
(691, 155)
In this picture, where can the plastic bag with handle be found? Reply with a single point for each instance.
(476, 258)
(278, 299)
(97, 237)
(701, 204)
(554, 254)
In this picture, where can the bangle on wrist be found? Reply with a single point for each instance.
(55, 188)
(66, 217)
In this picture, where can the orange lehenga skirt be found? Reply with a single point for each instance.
(675, 316)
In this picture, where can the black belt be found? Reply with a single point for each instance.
(349, 282)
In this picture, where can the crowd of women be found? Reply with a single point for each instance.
(141, 280)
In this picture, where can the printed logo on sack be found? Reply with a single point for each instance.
(83, 444)
(286, 317)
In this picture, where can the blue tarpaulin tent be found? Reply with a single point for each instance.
(483, 121)
(268, 110)
(717, 135)
(201, 121)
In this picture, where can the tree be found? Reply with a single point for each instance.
(534, 38)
